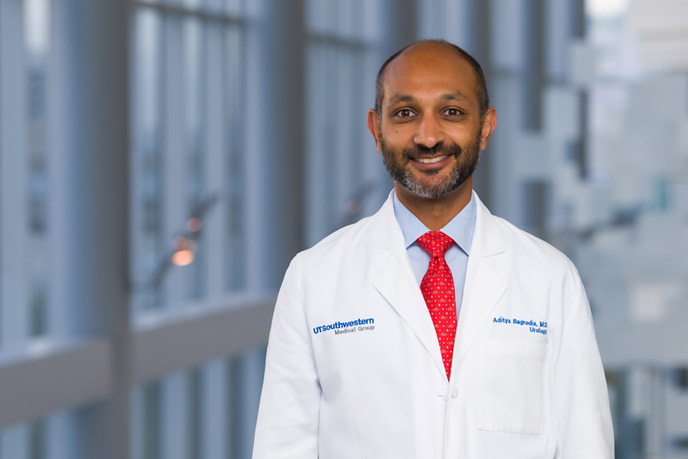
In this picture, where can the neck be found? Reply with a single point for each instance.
(435, 213)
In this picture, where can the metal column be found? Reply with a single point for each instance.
(88, 141)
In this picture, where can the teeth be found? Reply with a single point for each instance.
(431, 160)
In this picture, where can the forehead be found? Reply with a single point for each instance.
(430, 69)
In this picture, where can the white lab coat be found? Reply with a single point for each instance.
(520, 388)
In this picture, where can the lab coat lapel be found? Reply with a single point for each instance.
(396, 282)
(483, 286)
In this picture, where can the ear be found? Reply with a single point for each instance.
(489, 124)
(375, 128)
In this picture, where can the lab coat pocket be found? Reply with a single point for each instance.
(510, 386)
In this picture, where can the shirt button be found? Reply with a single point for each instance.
(455, 393)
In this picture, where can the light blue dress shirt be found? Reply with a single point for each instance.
(460, 229)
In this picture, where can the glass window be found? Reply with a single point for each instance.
(147, 159)
(209, 411)
(187, 225)
(23, 175)
(343, 169)
(447, 19)
(632, 214)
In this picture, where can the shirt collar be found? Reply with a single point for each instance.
(460, 228)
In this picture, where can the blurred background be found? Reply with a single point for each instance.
(162, 161)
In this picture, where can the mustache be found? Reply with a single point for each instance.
(439, 149)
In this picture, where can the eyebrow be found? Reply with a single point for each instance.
(397, 98)
(454, 96)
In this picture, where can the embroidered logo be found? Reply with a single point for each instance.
(347, 327)
(534, 326)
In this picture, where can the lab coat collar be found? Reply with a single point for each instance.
(397, 284)
(483, 286)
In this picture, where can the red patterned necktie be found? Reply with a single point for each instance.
(438, 290)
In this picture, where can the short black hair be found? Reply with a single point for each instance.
(480, 90)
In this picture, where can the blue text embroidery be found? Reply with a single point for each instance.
(346, 327)
(534, 326)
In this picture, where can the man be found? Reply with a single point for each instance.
(432, 329)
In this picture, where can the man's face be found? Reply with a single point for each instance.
(464, 161)
(430, 131)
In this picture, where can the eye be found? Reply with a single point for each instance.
(404, 113)
(453, 112)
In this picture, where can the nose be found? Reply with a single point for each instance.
(429, 132)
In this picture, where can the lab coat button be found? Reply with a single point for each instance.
(455, 393)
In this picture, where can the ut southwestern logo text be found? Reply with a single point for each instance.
(347, 327)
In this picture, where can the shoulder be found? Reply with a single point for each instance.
(344, 243)
(536, 269)
(519, 239)
(531, 253)
(355, 234)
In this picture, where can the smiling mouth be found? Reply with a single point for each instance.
(432, 160)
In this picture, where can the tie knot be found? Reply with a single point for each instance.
(436, 243)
